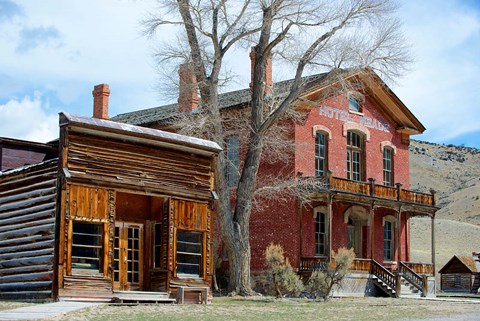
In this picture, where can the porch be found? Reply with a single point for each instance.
(391, 280)
(372, 219)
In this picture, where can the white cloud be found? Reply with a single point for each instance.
(442, 89)
(28, 119)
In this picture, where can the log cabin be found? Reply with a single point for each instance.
(107, 211)
(355, 144)
(460, 274)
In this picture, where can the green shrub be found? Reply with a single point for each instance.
(321, 283)
(284, 279)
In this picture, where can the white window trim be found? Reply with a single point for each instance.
(387, 143)
(351, 126)
(321, 128)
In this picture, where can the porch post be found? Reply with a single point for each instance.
(433, 243)
(330, 214)
(399, 234)
(407, 237)
(372, 229)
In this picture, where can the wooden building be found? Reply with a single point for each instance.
(460, 274)
(109, 207)
(355, 145)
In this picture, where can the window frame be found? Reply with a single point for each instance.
(157, 245)
(355, 149)
(388, 173)
(388, 243)
(189, 254)
(321, 159)
(320, 236)
(354, 101)
(97, 247)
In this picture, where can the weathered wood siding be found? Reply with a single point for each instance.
(128, 166)
(457, 282)
(27, 229)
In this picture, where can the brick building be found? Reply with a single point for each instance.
(355, 143)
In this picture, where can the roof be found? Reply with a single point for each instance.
(378, 90)
(467, 261)
(225, 100)
(137, 134)
(25, 144)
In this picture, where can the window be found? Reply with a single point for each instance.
(354, 104)
(320, 154)
(157, 245)
(387, 166)
(320, 234)
(233, 160)
(189, 253)
(388, 240)
(354, 156)
(87, 247)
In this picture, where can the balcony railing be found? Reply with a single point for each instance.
(373, 190)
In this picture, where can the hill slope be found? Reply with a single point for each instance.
(454, 172)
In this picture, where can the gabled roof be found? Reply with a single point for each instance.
(313, 86)
(136, 134)
(467, 261)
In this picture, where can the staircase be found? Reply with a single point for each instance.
(405, 284)
(384, 279)
(408, 290)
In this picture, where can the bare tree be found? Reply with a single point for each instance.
(322, 34)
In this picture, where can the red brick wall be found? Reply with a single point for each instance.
(305, 149)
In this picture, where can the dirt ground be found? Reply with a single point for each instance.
(266, 308)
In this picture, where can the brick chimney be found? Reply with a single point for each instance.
(188, 89)
(100, 101)
(268, 72)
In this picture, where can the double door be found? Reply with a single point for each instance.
(128, 256)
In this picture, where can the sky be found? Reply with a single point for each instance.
(53, 52)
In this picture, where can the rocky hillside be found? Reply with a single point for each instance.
(454, 172)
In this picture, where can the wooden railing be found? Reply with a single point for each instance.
(375, 190)
(412, 277)
(384, 275)
(311, 264)
(420, 268)
(362, 265)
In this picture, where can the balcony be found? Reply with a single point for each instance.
(368, 189)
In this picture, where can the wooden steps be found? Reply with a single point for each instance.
(123, 297)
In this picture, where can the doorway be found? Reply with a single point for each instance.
(128, 256)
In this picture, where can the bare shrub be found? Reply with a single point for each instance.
(321, 283)
(284, 279)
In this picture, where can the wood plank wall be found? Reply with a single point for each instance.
(27, 225)
(159, 170)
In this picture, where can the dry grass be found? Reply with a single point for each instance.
(8, 305)
(267, 308)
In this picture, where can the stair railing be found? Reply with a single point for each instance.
(413, 278)
(384, 275)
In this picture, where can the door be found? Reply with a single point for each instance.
(128, 256)
(354, 237)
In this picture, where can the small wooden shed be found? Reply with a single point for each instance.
(117, 208)
(459, 274)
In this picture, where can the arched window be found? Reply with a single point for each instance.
(321, 150)
(233, 160)
(355, 156)
(388, 166)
